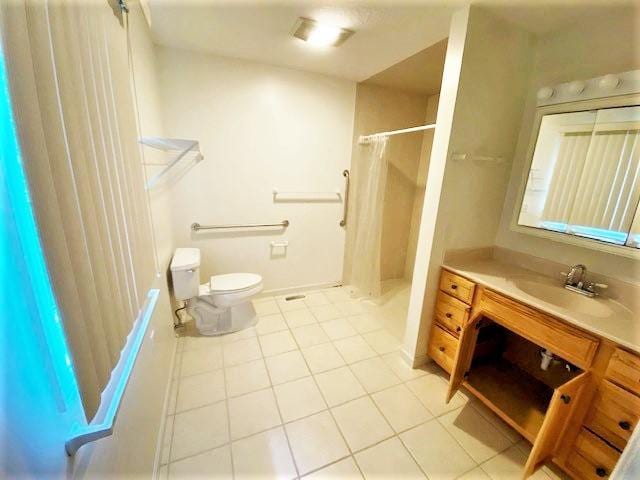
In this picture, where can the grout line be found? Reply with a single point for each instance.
(228, 411)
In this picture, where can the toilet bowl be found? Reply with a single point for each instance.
(222, 305)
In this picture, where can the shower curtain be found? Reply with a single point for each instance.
(365, 268)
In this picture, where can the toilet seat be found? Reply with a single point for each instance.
(233, 283)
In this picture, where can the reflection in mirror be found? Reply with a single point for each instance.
(584, 178)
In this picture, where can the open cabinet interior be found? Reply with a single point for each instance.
(506, 374)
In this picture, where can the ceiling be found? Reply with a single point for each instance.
(420, 73)
(261, 31)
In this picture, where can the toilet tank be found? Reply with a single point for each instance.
(185, 273)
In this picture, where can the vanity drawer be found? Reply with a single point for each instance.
(591, 458)
(574, 345)
(624, 369)
(457, 286)
(451, 312)
(614, 414)
(442, 347)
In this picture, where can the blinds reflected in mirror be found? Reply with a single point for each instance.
(585, 176)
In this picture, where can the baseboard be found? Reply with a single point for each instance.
(300, 288)
(415, 361)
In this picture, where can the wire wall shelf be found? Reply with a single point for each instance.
(179, 149)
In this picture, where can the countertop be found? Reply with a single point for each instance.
(622, 327)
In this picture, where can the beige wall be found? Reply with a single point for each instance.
(380, 109)
(585, 50)
(421, 182)
(260, 127)
(479, 113)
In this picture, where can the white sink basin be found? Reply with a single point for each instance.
(559, 296)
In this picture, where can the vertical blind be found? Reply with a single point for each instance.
(76, 122)
(596, 179)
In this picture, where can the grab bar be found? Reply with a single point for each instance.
(343, 222)
(197, 227)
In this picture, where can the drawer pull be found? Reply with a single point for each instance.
(458, 329)
(454, 286)
(441, 349)
(448, 315)
(565, 398)
(624, 425)
(601, 472)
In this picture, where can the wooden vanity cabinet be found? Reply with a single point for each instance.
(579, 414)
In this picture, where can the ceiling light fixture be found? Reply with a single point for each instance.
(319, 34)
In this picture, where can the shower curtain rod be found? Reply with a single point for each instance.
(373, 136)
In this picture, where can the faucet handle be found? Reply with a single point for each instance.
(564, 274)
(601, 285)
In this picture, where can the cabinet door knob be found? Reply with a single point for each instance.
(565, 398)
(601, 472)
(624, 425)
(441, 349)
(454, 286)
(458, 329)
(448, 315)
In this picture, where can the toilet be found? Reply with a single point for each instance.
(222, 305)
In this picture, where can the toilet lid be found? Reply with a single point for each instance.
(233, 282)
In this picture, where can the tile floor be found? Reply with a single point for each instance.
(318, 390)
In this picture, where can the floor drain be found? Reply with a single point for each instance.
(294, 297)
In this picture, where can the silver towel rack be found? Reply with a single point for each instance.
(197, 227)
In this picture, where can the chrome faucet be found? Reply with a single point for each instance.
(575, 281)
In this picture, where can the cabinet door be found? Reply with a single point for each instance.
(464, 354)
(563, 403)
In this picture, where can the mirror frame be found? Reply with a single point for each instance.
(579, 106)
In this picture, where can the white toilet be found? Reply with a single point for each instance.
(220, 306)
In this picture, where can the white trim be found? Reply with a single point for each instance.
(301, 288)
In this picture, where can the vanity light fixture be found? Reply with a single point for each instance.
(609, 82)
(545, 93)
(320, 34)
(577, 87)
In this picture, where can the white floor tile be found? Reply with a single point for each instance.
(478, 437)
(286, 367)
(361, 423)
(316, 299)
(211, 464)
(166, 440)
(201, 360)
(253, 413)
(199, 390)
(402, 369)
(290, 305)
(266, 307)
(298, 399)
(365, 323)
(299, 318)
(325, 312)
(198, 430)
(241, 351)
(338, 328)
(337, 294)
(495, 420)
(246, 378)
(263, 456)
(322, 357)
(315, 442)
(173, 396)
(343, 470)
(353, 349)
(339, 386)
(431, 390)
(239, 335)
(270, 324)
(476, 474)
(382, 342)
(194, 342)
(275, 343)
(388, 460)
(401, 408)
(374, 374)
(436, 451)
(350, 307)
(309, 335)
(509, 465)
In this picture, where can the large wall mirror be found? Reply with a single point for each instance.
(583, 180)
